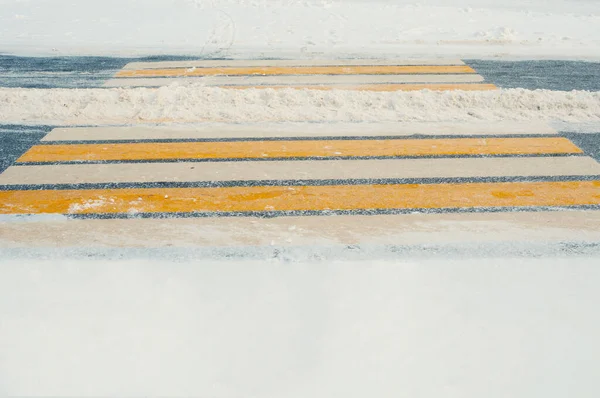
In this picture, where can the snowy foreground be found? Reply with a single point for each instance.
(432, 328)
(242, 28)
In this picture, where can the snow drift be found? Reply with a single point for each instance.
(196, 103)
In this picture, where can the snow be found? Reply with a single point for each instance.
(189, 325)
(196, 103)
(298, 29)
(309, 28)
(427, 328)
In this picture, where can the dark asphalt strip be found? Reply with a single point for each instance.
(15, 140)
(65, 72)
(312, 213)
(547, 75)
(295, 183)
(589, 143)
(59, 72)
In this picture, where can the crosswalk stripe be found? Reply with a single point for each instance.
(292, 130)
(300, 170)
(302, 198)
(343, 82)
(287, 63)
(298, 149)
(297, 70)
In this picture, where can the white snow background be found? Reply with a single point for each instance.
(255, 28)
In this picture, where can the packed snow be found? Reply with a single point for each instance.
(429, 328)
(196, 103)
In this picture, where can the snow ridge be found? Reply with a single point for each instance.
(197, 103)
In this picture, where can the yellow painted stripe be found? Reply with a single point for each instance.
(299, 198)
(298, 70)
(377, 87)
(299, 149)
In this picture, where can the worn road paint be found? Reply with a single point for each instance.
(298, 149)
(301, 198)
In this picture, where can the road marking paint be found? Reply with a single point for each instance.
(292, 130)
(300, 170)
(301, 198)
(287, 63)
(298, 149)
(297, 70)
(389, 229)
(362, 75)
(296, 80)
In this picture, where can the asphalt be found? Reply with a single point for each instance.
(590, 143)
(15, 140)
(86, 72)
(63, 72)
(542, 75)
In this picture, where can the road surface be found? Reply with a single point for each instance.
(303, 259)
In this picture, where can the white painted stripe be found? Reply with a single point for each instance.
(405, 229)
(274, 80)
(299, 170)
(289, 63)
(288, 130)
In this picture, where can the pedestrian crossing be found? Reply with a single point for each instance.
(221, 184)
(224, 171)
(349, 74)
